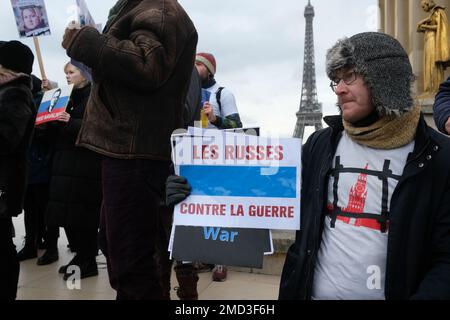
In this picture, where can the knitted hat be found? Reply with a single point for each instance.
(16, 56)
(384, 66)
(208, 60)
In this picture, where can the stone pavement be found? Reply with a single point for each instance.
(44, 282)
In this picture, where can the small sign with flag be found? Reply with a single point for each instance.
(53, 104)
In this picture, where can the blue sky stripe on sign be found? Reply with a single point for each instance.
(235, 181)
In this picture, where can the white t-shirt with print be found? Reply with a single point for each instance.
(351, 263)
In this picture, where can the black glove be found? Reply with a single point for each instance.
(177, 189)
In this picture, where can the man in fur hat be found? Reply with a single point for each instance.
(375, 200)
(376, 187)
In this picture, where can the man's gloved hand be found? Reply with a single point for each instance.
(72, 29)
(177, 189)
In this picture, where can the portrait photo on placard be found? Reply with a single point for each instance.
(31, 18)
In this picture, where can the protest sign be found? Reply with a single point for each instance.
(215, 245)
(31, 18)
(53, 104)
(239, 181)
(32, 21)
(203, 131)
(84, 15)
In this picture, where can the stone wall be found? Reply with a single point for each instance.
(273, 264)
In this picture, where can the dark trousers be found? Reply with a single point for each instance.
(9, 264)
(162, 245)
(130, 226)
(36, 199)
(83, 241)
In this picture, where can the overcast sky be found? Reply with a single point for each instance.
(258, 46)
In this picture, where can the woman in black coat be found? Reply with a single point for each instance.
(75, 187)
(39, 159)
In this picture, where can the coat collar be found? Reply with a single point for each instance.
(334, 122)
(16, 78)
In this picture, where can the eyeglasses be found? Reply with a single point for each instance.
(348, 79)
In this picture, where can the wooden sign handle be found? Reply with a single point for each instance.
(39, 57)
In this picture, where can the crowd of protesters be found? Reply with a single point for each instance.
(102, 170)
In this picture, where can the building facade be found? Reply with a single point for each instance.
(399, 18)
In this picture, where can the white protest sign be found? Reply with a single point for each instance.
(239, 181)
(196, 131)
(31, 18)
(84, 15)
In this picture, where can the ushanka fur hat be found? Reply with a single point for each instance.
(384, 66)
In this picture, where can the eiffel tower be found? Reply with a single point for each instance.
(310, 113)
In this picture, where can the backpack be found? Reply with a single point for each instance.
(218, 96)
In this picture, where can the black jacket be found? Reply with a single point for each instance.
(418, 255)
(40, 153)
(441, 108)
(75, 186)
(17, 117)
(193, 106)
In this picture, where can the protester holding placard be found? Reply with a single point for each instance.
(17, 113)
(141, 68)
(375, 203)
(75, 188)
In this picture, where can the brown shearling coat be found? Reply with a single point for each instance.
(141, 67)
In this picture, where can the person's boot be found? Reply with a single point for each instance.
(49, 256)
(88, 268)
(27, 252)
(187, 282)
(63, 268)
